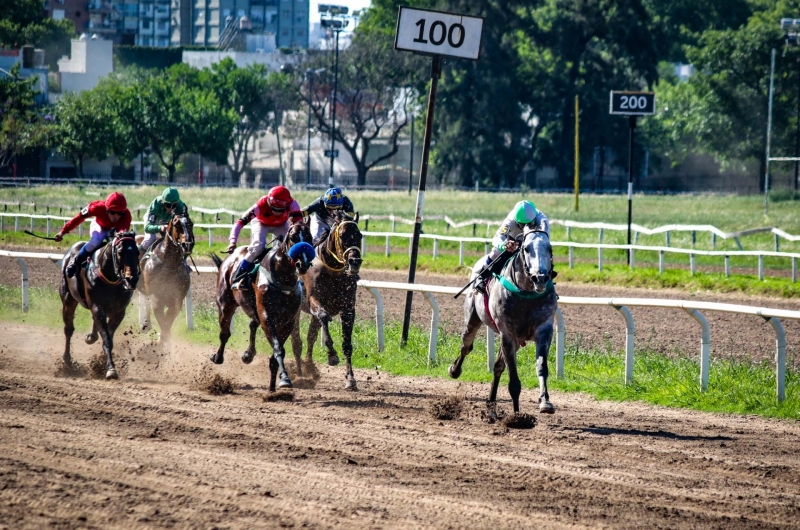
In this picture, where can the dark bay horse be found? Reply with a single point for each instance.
(276, 291)
(166, 275)
(521, 305)
(105, 288)
(330, 290)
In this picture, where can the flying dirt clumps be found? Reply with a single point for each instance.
(219, 385)
(284, 394)
(519, 421)
(310, 375)
(449, 408)
(74, 369)
(97, 366)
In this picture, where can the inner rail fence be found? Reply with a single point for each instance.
(693, 308)
(463, 241)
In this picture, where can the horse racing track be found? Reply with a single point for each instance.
(156, 449)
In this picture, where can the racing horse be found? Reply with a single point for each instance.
(274, 303)
(520, 307)
(105, 287)
(330, 290)
(166, 275)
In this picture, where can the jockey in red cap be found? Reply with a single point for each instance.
(110, 214)
(269, 215)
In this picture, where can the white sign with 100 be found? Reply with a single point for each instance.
(439, 33)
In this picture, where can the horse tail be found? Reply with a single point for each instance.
(217, 261)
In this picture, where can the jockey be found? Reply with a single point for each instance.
(109, 215)
(269, 215)
(321, 209)
(159, 214)
(523, 215)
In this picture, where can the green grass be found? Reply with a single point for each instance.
(735, 386)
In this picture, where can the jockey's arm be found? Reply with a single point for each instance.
(73, 223)
(315, 207)
(295, 213)
(243, 220)
(541, 223)
(348, 208)
(152, 225)
(500, 237)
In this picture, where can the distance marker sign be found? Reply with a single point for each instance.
(632, 103)
(438, 33)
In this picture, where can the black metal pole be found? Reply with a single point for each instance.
(436, 70)
(632, 125)
(308, 129)
(333, 104)
(797, 133)
(411, 161)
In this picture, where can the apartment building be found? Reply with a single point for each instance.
(164, 23)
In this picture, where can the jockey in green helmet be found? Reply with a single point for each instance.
(159, 214)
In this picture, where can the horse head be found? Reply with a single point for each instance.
(299, 233)
(181, 233)
(537, 256)
(345, 238)
(125, 255)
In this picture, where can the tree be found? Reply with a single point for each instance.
(84, 127)
(371, 100)
(22, 128)
(22, 22)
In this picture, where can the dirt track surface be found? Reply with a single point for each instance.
(154, 450)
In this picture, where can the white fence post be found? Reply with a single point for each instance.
(490, 343)
(794, 270)
(780, 358)
(48, 227)
(692, 263)
(571, 258)
(727, 266)
(189, 310)
(661, 262)
(142, 310)
(363, 246)
(16, 224)
(632, 261)
(388, 252)
(600, 259)
(705, 347)
(630, 336)
(210, 236)
(435, 248)
(432, 342)
(461, 253)
(410, 247)
(24, 269)
(760, 266)
(560, 339)
(378, 315)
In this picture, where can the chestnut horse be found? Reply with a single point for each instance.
(273, 302)
(105, 287)
(166, 275)
(330, 288)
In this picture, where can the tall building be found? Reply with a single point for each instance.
(164, 23)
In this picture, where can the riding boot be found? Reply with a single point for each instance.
(77, 262)
(483, 276)
(241, 280)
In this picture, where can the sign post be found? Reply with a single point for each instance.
(438, 34)
(632, 104)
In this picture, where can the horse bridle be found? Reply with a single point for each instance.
(338, 249)
(120, 276)
(525, 266)
(186, 246)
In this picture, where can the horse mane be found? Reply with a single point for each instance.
(339, 216)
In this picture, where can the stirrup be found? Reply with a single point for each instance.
(73, 267)
(480, 286)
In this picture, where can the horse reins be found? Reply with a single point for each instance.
(114, 243)
(338, 249)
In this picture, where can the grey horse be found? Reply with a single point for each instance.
(522, 303)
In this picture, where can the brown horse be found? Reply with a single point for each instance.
(273, 301)
(330, 288)
(105, 288)
(166, 275)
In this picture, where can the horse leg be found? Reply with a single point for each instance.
(509, 353)
(68, 306)
(162, 311)
(145, 301)
(471, 327)
(102, 325)
(311, 337)
(173, 310)
(499, 368)
(225, 315)
(544, 336)
(250, 353)
(276, 366)
(348, 320)
(92, 337)
(297, 345)
(273, 372)
(333, 357)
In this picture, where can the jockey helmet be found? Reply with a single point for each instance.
(524, 212)
(116, 202)
(279, 198)
(333, 198)
(170, 195)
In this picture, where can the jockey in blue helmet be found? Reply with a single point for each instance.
(523, 215)
(321, 210)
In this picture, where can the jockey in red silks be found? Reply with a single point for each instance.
(109, 215)
(271, 214)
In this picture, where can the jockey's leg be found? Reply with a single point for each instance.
(318, 227)
(279, 232)
(483, 275)
(258, 239)
(97, 236)
(147, 242)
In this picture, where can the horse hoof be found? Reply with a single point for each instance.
(112, 374)
(247, 357)
(91, 339)
(216, 359)
(454, 372)
(285, 382)
(333, 360)
(545, 407)
(351, 385)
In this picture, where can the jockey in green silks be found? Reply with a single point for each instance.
(159, 214)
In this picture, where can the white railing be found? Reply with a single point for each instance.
(693, 308)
